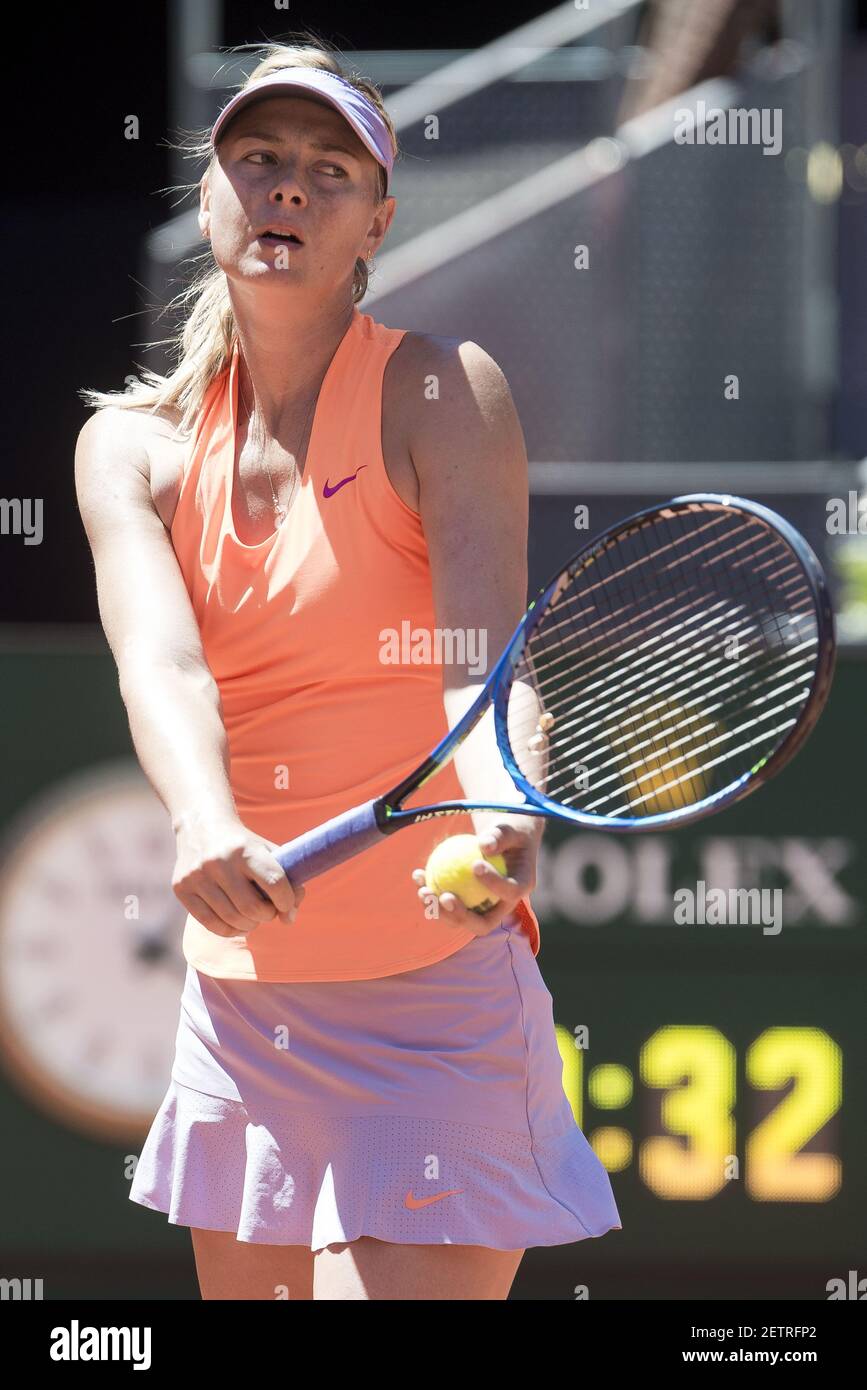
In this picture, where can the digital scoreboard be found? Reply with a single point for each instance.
(717, 1067)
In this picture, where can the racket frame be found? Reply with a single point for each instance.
(367, 824)
(499, 684)
(765, 768)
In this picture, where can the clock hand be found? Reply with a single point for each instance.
(154, 943)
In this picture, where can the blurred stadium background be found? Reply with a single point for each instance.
(552, 130)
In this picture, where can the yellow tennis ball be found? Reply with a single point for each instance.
(647, 742)
(450, 870)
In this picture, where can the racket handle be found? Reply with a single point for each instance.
(328, 844)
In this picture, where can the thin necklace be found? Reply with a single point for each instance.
(281, 511)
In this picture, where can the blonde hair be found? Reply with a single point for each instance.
(203, 344)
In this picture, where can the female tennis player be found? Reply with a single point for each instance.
(366, 1098)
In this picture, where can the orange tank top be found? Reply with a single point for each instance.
(316, 721)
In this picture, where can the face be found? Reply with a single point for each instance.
(289, 159)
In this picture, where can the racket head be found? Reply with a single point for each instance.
(651, 601)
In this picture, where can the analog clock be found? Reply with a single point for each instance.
(91, 965)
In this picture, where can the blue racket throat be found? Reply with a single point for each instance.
(669, 669)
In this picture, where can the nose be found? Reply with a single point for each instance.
(288, 184)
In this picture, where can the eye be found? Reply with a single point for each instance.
(266, 154)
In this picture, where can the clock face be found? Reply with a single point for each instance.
(91, 965)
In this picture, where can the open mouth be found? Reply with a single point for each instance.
(281, 236)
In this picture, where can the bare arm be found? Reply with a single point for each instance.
(170, 694)
(469, 453)
(171, 697)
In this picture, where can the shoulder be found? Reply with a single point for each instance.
(455, 365)
(131, 428)
(110, 434)
(134, 441)
(440, 388)
(453, 396)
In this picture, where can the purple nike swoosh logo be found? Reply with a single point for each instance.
(330, 491)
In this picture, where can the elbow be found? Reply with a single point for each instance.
(138, 678)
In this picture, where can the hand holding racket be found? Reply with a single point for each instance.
(672, 666)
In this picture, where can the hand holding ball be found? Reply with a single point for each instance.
(450, 870)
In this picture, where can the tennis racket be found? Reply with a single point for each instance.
(672, 666)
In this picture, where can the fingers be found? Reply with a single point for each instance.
(274, 883)
(219, 909)
(517, 841)
(513, 833)
(271, 883)
(212, 911)
(506, 892)
(236, 889)
(229, 882)
(519, 846)
(507, 888)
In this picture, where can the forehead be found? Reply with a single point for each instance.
(284, 116)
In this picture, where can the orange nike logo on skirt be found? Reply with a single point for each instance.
(416, 1203)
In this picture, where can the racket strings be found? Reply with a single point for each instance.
(591, 616)
(665, 728)
(652, 756)
(671, 606)
(650, 723)
(654, 686)
(666, 667)
(594, 686)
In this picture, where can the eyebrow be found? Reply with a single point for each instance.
(279, 140)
